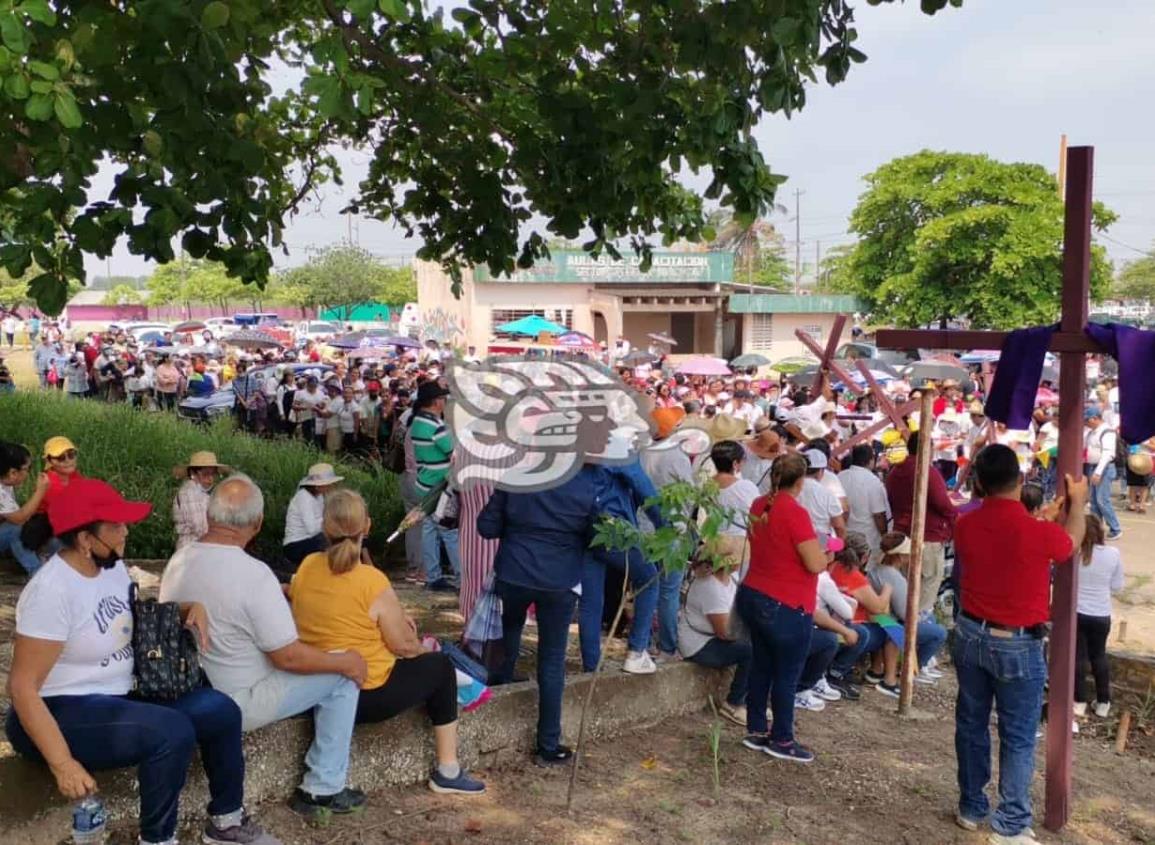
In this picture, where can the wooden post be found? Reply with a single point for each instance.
(917, 531)
(1124, 729)
(1072, 389)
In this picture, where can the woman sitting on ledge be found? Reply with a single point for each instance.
(340, 603)
(72, 671)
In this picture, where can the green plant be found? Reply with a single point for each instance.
(714, 738)
(136, 451)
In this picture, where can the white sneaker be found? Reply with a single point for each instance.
(932, 672)
(1075, 728)
(1102, 709)
(825, 691)
(639, 663)
(808, 700)
(925, 679)
(932, 663)
(1024, 838)
(1080, 709)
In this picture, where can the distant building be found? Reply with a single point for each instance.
(690, 296)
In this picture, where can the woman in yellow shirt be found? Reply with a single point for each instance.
(340, 603)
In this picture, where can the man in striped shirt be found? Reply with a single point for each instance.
(432, 449)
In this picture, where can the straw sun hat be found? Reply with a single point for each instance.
(200, 460)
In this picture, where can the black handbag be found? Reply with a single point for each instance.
(166, 664)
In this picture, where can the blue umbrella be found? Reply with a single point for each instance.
(532, 325)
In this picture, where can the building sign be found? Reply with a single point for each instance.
(574, 266)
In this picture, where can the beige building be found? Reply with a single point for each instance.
(689, 296)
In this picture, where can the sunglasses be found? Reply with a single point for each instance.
(70, 455)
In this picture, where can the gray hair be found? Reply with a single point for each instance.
(237, 502)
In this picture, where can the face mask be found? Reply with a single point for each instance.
(106, 561)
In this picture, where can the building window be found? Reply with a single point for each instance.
(814, 331)
(761, 332)
(501, 316)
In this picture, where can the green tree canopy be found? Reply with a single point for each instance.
(122, 295)
(342, 277)
(953, 235)
(1137, 278)
(580, 113)
(759, 249)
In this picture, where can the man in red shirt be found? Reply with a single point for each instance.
(998, 644)
(940, 517)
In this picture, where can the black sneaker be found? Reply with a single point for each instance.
(757, 742)
(792, 751)
(344, 803)
(559, 756)
(872, 679)
(248, 832)
(442, 585)
(849, 691)
(888, 689)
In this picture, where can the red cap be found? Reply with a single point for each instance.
(88, 500)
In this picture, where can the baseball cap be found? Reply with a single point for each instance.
(54, 447)
(815, 458)
(1092, 413)
(90, 500)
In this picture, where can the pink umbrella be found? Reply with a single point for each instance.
(1046, 396)
(704, 367)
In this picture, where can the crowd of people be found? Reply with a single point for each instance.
(805, 594)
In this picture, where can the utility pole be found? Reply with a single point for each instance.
(817, 265)
(349, 229)
(797, 241)
(1062, 165)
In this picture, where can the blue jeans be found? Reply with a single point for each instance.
(1101, 504)
(641, 572)
(720, 654)
(432, 536)
(931, 636)
(669, 603)
(10, 542)
(823, 647)
(159, 738)
(554, 614)
(333, 700)
(780, 639)
(1010, 672)
(871, 638)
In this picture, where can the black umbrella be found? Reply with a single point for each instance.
(637, 357)
(253, 340)
(347, 341)
(403, 342)
(924, 371)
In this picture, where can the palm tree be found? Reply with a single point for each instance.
(754, 245)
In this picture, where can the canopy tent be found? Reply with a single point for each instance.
(366, 312)
(533, 325)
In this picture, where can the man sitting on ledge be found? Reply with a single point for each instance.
(254, 654)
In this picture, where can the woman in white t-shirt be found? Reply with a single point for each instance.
(72, 672)
(1101, 575)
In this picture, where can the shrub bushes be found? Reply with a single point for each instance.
(136, 451)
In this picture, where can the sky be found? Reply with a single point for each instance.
(1001, 77)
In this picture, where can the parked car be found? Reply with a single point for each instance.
(895, 358)
(317, 331)
(220, 402)
(257, 320)
(137, 331)
(222, 326)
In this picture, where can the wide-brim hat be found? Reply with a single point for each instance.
(815, 429)
(90, 500)
(1140, 463)
(200, 460)
(667, 420)
(722, 427)
(320, 475)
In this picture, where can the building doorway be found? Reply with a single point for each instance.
(601, 332)
(682, 330)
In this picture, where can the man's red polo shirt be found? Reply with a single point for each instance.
(1008, 555)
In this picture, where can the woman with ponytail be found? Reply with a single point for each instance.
(341, 603)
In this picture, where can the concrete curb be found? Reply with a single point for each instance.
(393, 753)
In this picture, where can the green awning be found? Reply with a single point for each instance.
(366, 312)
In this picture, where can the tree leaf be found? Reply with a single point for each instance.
(50, 292)
(16, 86)
(44, 70)
(12, 33)
(215, 15)
(395, 9)
(39, 11)
(38, 107)
(67, 112)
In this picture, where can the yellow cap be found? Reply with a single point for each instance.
(57, 446)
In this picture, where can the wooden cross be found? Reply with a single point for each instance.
(826, 362)
(1073, 345)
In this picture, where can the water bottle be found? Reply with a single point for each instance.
(88, 822)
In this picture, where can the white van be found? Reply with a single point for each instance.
(409, 323)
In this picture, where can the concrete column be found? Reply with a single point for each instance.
(718, 329)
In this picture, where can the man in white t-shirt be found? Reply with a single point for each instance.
(254, 655)
(866, 495)
(704, 636)
(823, 506)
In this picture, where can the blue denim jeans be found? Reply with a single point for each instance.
(333, 700)
(931, 636)
(1101, 504)
(641, 573)
(159, 738)
(823, 647)
(871, 638)
(10, 542)
(669, 603)
(432, 536)
(720, 654)
(780, 639)
(1009, 672)
(554, 610)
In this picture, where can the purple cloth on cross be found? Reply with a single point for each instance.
(1134, 349)
(1012, 399)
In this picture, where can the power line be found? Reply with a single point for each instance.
(1120, 243)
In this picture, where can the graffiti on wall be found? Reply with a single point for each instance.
(443, 326)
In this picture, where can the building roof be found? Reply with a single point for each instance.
(790, 303)
(573, 266)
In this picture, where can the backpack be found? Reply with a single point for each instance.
(1121, 451)
(166, 664)
(393, 457)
